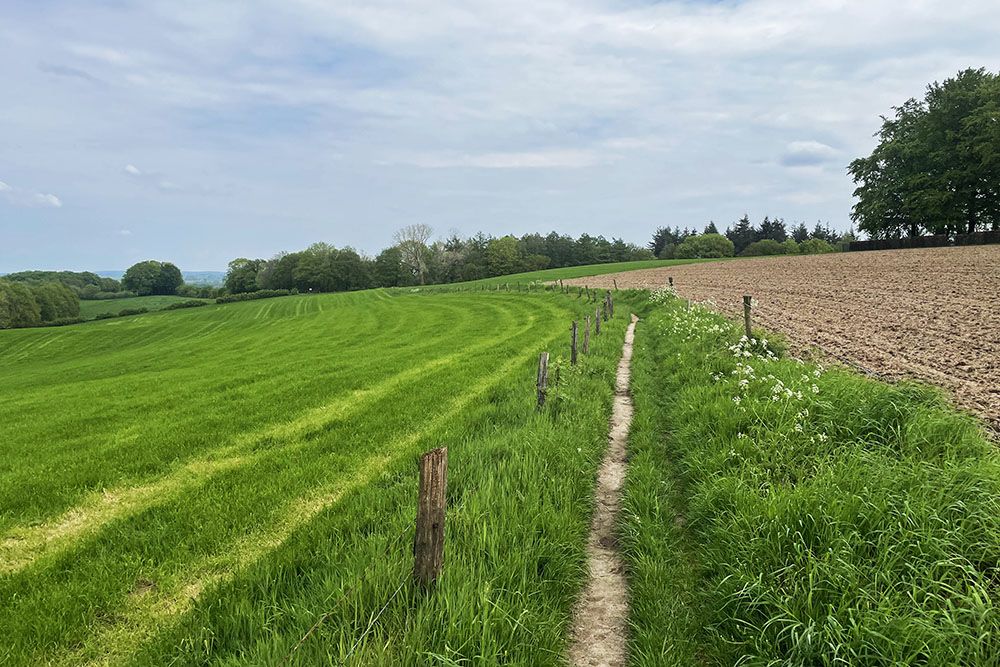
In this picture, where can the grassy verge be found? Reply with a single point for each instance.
(780, 513)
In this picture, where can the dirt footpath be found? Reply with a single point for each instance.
(931, 314)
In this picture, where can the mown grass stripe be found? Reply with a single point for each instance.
(21, 546)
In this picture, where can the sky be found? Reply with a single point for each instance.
(197, 132)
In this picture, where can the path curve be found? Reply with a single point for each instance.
(599, 620)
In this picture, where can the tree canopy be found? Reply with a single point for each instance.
(28, 304)
(152, 277)
(936, 168)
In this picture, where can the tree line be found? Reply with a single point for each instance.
(936, 168)
(417, 259)
(30, 304)
(771, 237)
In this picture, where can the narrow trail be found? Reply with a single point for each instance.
(598, 634)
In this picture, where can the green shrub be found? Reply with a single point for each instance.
(192, 303)
(250, 296)
(125, 312)
(815, 247)
(764, 247)
(63, 321)
(705, 246)
(791, 247)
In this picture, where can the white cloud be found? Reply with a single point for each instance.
(125, 232)
(49, 200)
(808, 154)
(28, 198)
(132, 169)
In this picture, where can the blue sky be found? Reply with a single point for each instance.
(197, 132)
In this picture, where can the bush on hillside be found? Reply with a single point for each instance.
(705, 246)
(63, 321)
(93, 295)
(186, 304)
(259, 294)
(763, 247)
(815, 247)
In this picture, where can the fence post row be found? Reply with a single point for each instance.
(746, 315)
(572, 349)
(428, 539)
(543, 377)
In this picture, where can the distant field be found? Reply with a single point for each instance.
(201, 486)
(90, 309)
(584, 271)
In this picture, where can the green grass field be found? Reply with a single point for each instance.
(201, 486)
(92, 308)
(236, 484)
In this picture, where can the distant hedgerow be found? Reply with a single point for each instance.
(259, 294)
(192, 303)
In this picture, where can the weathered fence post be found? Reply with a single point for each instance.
(670, 281)
(611, 305)
(597, 321)
(428, 540)
(572, 348)
(746, 315)
(615, 283)
(543, 377)
(604, 310)
(586, 337)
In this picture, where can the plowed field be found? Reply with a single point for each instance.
(930, 314)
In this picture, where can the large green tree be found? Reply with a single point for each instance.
(18, 307)
(152, 277)
(242, 275)
(935, 168)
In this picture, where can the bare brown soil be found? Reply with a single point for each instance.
(598, 635)
(931, 314)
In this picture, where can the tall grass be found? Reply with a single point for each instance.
(779, 513)
(203, 486)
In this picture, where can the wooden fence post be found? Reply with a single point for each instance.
(670, 281)
(746, 315)
(604, 310)
(428, 540)
(615, 283)
(543, 377)
(586, 337)
(611, 305)
(572, 348)
(597, 321)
